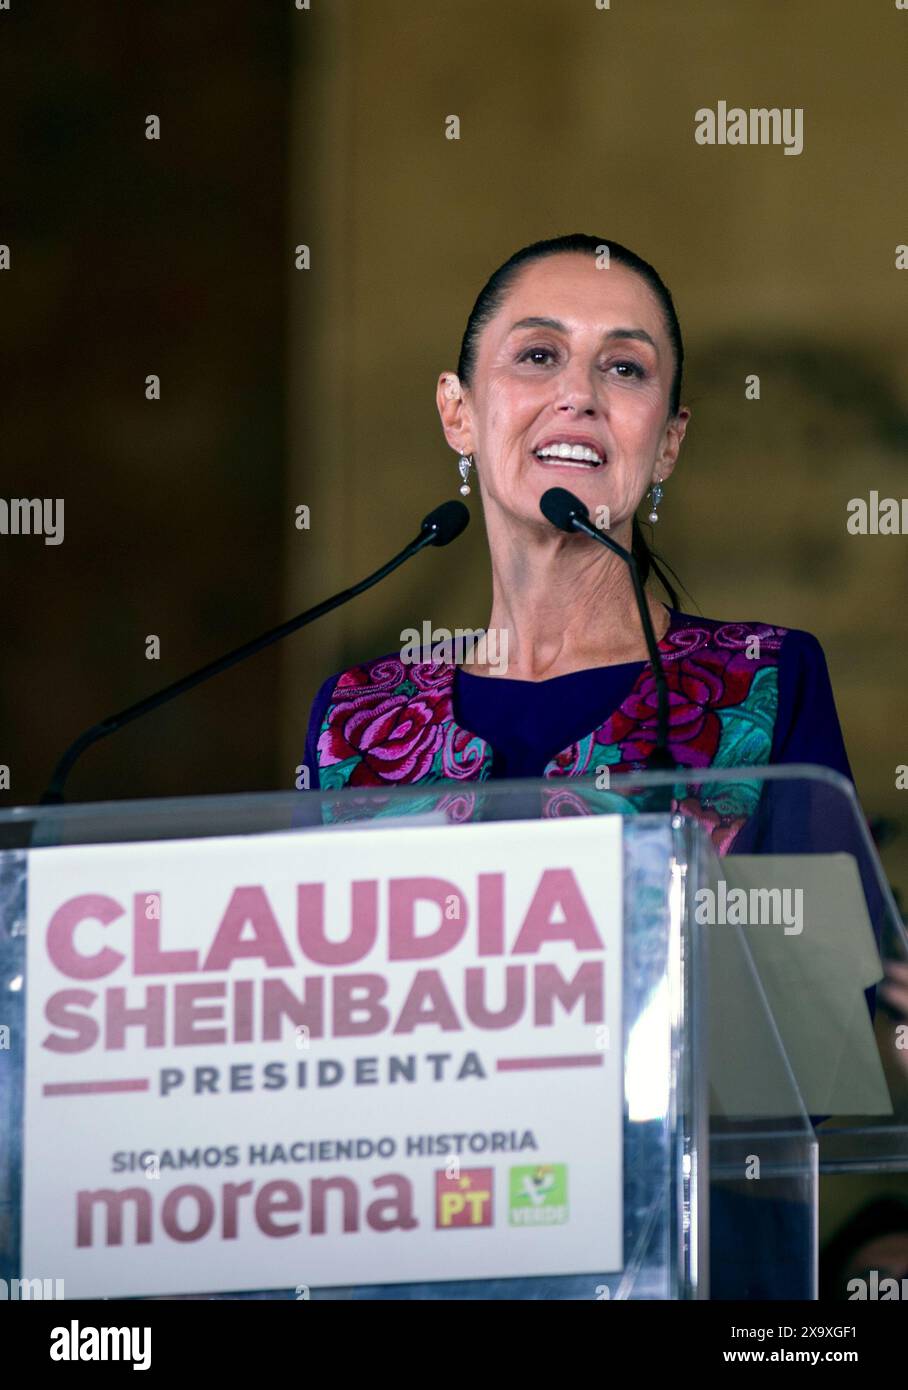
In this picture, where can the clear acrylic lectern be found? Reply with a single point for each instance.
(740, 1047)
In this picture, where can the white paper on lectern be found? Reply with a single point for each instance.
(814, 982)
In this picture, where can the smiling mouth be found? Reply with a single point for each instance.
(569, 456)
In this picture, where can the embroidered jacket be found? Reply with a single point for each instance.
(388, 723)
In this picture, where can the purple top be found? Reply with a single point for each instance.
(527, 723)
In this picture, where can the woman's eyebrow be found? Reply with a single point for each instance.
(535, 321)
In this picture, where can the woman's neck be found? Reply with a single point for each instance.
(565, 607)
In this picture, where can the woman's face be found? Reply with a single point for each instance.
(576, 356)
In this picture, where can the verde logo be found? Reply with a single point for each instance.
(539, 1195)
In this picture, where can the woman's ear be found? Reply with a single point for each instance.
(452, 408)
(672, 440)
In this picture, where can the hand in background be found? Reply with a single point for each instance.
(894, 993)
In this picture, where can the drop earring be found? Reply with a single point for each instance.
(464, 464)
(655, 493)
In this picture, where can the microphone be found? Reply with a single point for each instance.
(440, 527)
(568, 513)
(444, 525)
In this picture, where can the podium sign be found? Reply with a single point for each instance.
(349, 1056)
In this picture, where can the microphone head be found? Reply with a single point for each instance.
(446, 522)
(560, 507)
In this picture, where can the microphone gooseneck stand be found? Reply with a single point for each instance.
(568, 513)
(440, 527)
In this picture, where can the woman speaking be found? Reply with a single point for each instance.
(570, 374)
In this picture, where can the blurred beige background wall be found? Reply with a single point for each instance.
(575, 118)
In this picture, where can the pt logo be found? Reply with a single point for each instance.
(465, 1200)
(539, 1195)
